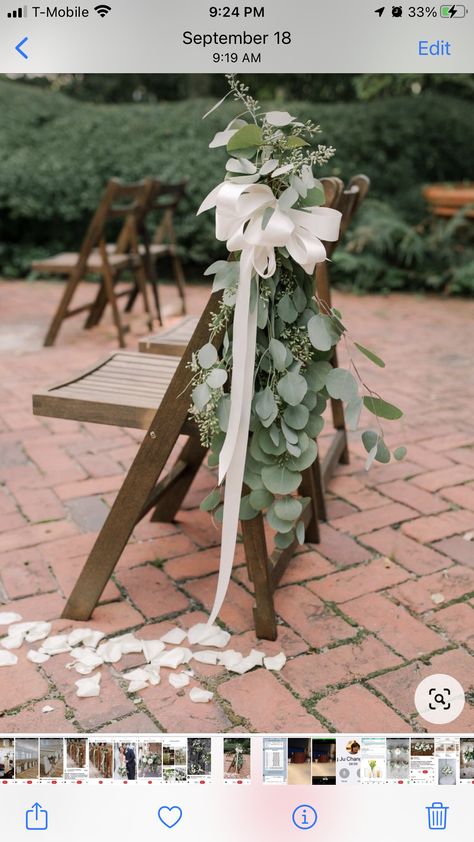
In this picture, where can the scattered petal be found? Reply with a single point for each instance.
(206, 635)
(129, 644)
(255, 659)
(55, 645)
(437, 598)
(8, 617)
(7, 659)
(152, 648)
(110, 652)
(469, 536)
(88, 687)
(276, 663)
(200, 696)
(179, 681)
(206, 657)
(174, 637)
(13, 641)
(230, 658)
(136, 686)
(173, 658)
(37, 657)
(47, 709)
(153, 674)
(88, 637)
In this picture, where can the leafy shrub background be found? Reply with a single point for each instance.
(58, 153)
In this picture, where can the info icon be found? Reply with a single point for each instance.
(397, 11)
(304, 817)
(439, 699)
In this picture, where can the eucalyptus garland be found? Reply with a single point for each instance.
(296, 337)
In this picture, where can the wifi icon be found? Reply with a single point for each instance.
(102, 9)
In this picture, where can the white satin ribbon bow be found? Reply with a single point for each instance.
(241, 214)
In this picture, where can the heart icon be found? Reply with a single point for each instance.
(170, 816)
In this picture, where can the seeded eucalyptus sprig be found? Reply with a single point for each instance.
(296, 338)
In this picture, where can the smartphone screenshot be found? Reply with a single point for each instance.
(236, 420)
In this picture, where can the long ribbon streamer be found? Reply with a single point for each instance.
(243, 222)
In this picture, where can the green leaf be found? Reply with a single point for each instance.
(373, 440)
(261, 499)
(247, 511)
(370, 354)
(223, 412)
(299, 299)
(300, 532)
(278, 354)
(207, 356)
(265, 404)
(296, 416)
(314, 197)
(341, 384)
(248, 138)
(320, 334)
(280, 526)
(316, 375)
(382, 409)
(282, 541)
(262, 313)
(292, 388)
(211, 501)
(280, 480)
(400, 453)
(352, 412)
(293, 142)
(301, 463)
(287, 310)
(219, 514)
(315, 425)
(268, 445)
(291, 436)
(201, 396)
(288, 508)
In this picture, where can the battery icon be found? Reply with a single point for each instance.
(453, 11)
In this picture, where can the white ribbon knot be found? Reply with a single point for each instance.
(250, 219)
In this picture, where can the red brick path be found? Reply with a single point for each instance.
(385, 599)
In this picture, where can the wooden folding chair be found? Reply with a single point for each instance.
(96, 258)
(162, 201)
(152, 392)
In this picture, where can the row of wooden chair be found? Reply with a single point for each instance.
(133, 252)
(151, 391)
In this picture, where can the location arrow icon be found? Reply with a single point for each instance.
(380, 11)
(19, 46)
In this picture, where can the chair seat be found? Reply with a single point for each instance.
(124, 390)
(171, 341)
(63, 264)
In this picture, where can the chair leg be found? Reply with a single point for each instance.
(109, 289)
(97, 309)
(131, 298)
(141, 284)
(61, 311)
(167, 508)
(180, 280)
(311, 487)
(256, 553)
(339, 420)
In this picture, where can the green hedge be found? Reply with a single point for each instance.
(58, 153)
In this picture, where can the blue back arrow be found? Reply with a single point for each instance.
(19, 46)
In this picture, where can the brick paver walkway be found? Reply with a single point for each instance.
(384, 600)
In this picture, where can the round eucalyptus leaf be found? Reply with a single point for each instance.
(268, 446)
(216, 378)
(316, 375)
(201, 396)
(352, 412)
(219, 514)
(258, 454)
(211, 501)
(276, 523)
(247, 511)
(310, 400)
(292, 388)
(264, 404)
(371, 440)
(319, 333)
(293, 449)
(223, 413)
(296, 416)
(287, 310)
(400, 453)
(341, 384)
(261, 499)
(278, 354)
(207, 356)
(284, 540)
(301, 463)
(280, 480)
(315, 425)
(300, 532)
(291, 436)
(288, 508)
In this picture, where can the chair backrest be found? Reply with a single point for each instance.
(345, 199)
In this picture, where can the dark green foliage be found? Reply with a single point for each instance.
(54, 169)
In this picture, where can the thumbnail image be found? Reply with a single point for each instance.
(150, 762)
(125, 761)
(275, 760)
(398, 758)
(199, 757)
(373, 760)
(447, 771)
(299, 760)
(175, 760)
(76, 753)
(466, 772)
(348, 754)
(26, 758)
(101, 759)
(7, 758)
(323, 762)
(237, 758)
(51, 758)
(422, 747)
(422, 760)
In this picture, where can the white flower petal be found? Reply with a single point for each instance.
(276, 663)
(37, 657)
(255, 659)
(47, 709)
(179, 681)
(200, 696)
(206, 635)
(135, 686)
(153, 674)
(39, 632)
(12, 641)
(7, 659)
(206, 657)
(110, 652)
(173, 658)
(230, 658)
(128, 643)
(88, 687)
(152, 648)
(88, 637)
(55, 645)
(8, 617)
(174, 637)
